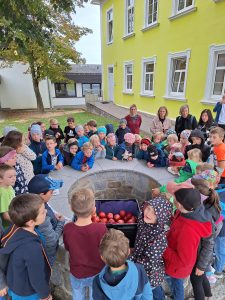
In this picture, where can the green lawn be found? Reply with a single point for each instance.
(22, 123)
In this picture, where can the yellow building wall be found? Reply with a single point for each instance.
(196, 31)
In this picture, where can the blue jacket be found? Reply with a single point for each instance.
(161, 161)
(22, 260)
(217, 109)
(130, 285)
(47, 161)
(81, 140)
(77, 162)
(38, 148)
(110, 151)
(142, 155)
(121, 149)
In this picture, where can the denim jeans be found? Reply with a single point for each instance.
(176, 287)
(219, 249)
(79, 287)
(158, 293)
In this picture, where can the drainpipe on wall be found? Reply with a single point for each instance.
(49, 94)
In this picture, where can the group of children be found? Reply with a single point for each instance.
(178, 230)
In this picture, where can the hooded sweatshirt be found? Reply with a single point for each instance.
(24, 262)
(130, 285)
(205, 149)
(184, 238)
(151, 240)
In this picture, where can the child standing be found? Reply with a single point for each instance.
(26, 267)
(121, 131)
(69, 130)
(84, 160)
(70, 150)
(52, 227)
(111, 146)
(102, 135)
(85, 262)
(98, 148)
(7, 181)
(120, 278)
(55, 128)
(37, 146)
(81, 138)
(92, 126)
(52, 158)
(151, 242)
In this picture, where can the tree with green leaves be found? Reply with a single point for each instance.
(40, 33)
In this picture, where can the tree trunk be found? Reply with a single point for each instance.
(40, 106)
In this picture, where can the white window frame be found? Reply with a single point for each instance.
(108, 21)
(214, 50)
(145, 61)
(146, 24)
(127, 8)
(125, 89)
(180, 96)
(177, 13)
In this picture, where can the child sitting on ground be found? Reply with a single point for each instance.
(52, 158)
(143, 150)
(58, 134)
(92, 126)
(111, 146)
(52, 227)
(25, 155)
(151, 242)
(125, 151)
(24, 266)
(156, 157)
(8, 157)
(99, 150)
(81, 138)
(70, 150)
(120, 278)
(184, 139)
(69, 130)
(102, 135)
(82, 239)
(7, 181)
(121, 131)
(157, 140)
(37, 146)
(84, 160)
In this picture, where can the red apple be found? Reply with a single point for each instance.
(111, 221)
(95, 219)
(129, 215)
(103, 220)
(102, 214)
(109, 216)
(116, 217)
(130, 221)
(122, 213)
(120, 222)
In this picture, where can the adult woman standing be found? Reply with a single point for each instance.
(185, 120)
(160, 123)
(220, 112)
(134, 120)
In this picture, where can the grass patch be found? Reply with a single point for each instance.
(22, 123)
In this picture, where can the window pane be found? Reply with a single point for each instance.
(175, 82)
(147, 82)
(189, 2)
(86, 88)
(181, 86)
(219, 81)
(96, 88)
(221, 60)
(130, 20)
(181, 4)
(129, 69)
(60, 90)
(129, 82)
(180, 64)
(149, 68)
(70, 89)
(110, 31)
(151, 82)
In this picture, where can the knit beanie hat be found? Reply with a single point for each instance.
(102, 129)
(146, 141)
(129, 138)
(7, 129)
(36, 129)
(197, 133)
(152, 150)
(78, 128)
(170, 131)
(188, 197)
(123, 121)
(186, 133)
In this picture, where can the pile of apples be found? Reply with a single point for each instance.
(108, 218)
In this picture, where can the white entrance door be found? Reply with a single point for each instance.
(110, 84)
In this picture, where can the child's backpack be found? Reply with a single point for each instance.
(109, 128)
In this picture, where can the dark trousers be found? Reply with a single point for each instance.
(201, 286)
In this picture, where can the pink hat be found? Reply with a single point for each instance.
(172, 187)
(129, 138)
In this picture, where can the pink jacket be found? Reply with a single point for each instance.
(158, 126)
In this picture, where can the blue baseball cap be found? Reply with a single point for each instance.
(42, 183)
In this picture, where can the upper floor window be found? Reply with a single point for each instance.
(177, 75)
(110, 26)
(128, 77)
(183, 5)
(219, 78)
(129, 17)
(64, 90)
(148, 69)
(151, 12)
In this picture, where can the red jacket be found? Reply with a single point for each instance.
(134, 123)
(183, 241)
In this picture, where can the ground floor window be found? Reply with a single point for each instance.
(65, 90)
(93, 88)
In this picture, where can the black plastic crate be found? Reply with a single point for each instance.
(115, 206)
